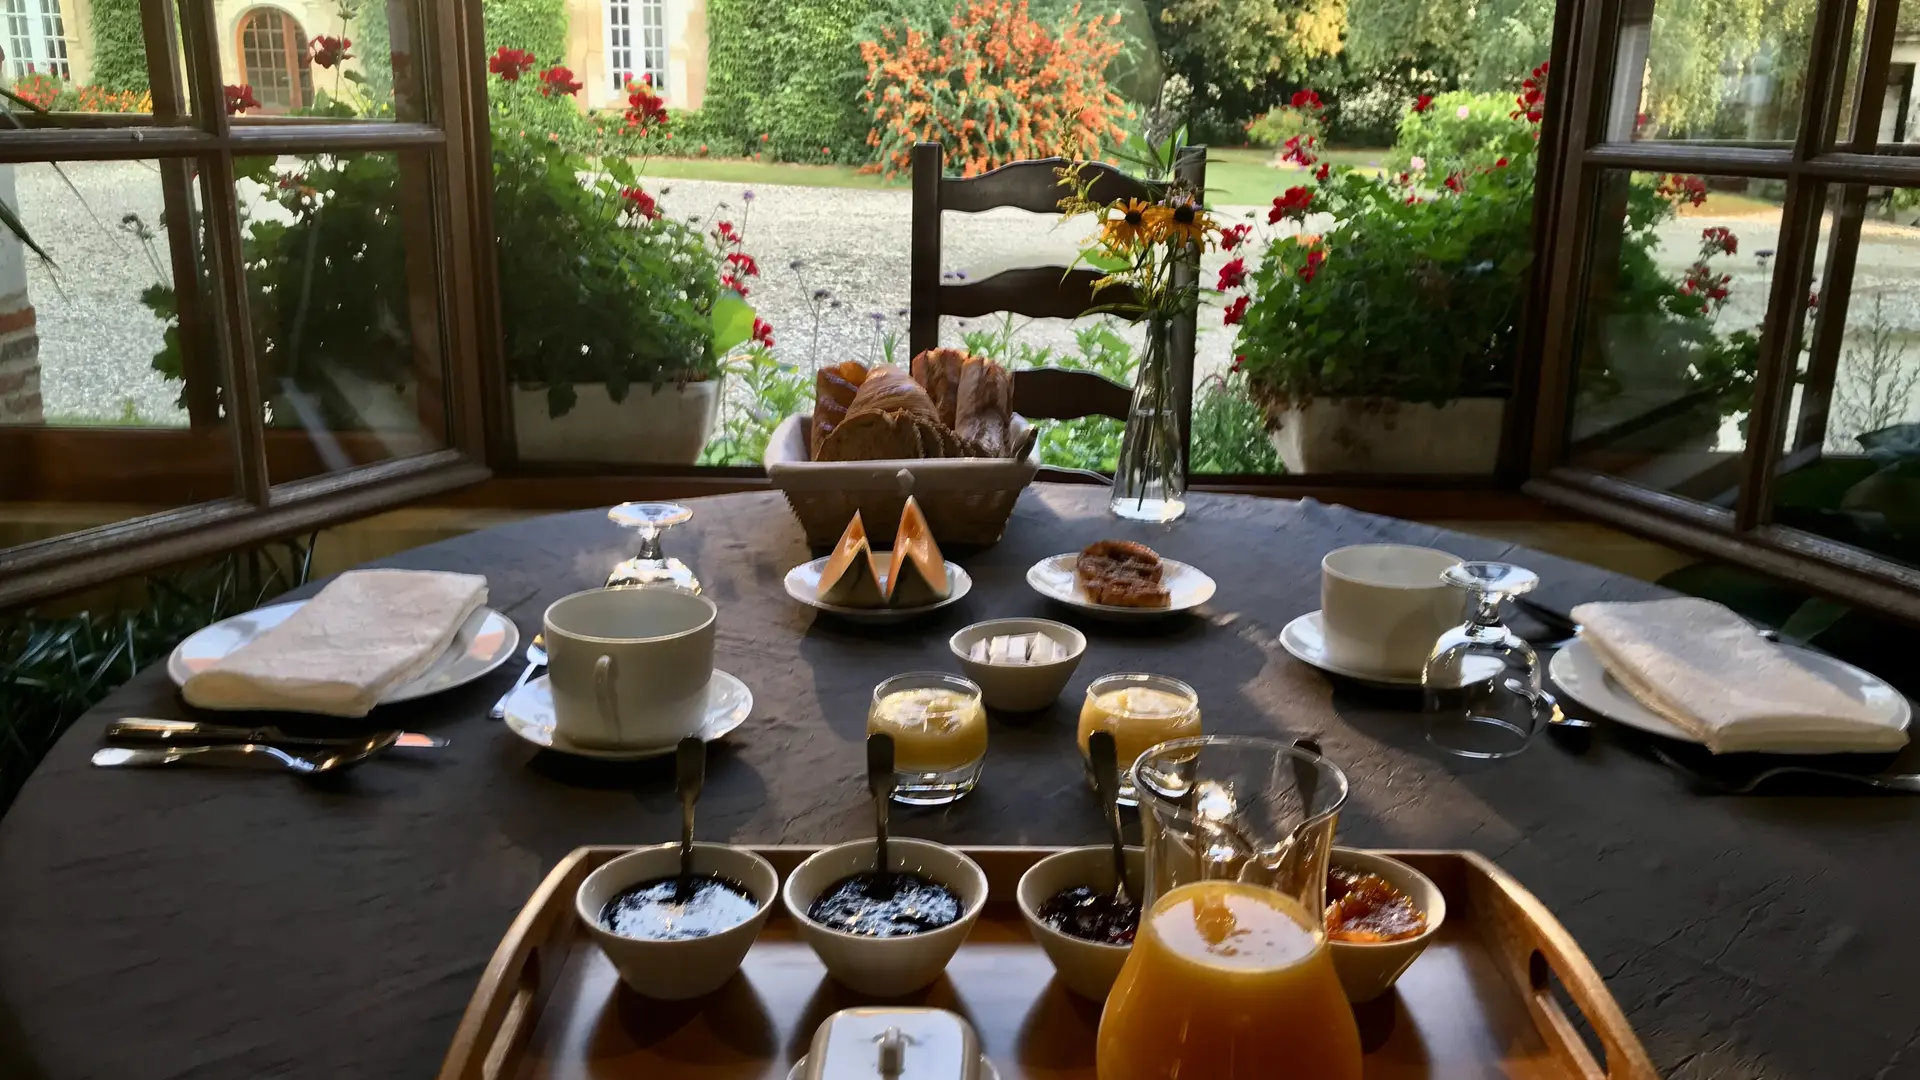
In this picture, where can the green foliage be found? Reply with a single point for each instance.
(119, 46)
(788, 70)
(1091, 442)
(1232, 57)
(1447, 142)
(373, 44)
(539, 27)
(1282, 122)
(1469, 44)
(766, 392)
(1230, 429)
(52, 669)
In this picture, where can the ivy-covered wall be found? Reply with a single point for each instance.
(789, 70)
(539, 27)
(373, 45)
(119, 50)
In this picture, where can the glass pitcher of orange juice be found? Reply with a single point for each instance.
(1230, 977)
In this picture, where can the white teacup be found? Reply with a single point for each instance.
(629, 667)
(1382, 606)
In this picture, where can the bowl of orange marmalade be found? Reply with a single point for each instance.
(1381, 913)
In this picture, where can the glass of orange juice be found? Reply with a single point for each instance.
(1142, 711)
(939, 729)
(1230, 977)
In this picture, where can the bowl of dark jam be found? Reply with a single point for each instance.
(1381, 913)
(1068, 903)
(673, 942)
(886, 933)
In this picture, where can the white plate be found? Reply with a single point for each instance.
(1305, 637)
(530, 716)
(803, 584)
(1187, 588)
(485, 641)
(1579, 672)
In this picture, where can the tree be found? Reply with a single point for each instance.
(1231, 53)
(1467, 44)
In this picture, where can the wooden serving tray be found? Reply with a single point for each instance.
(1481, 1002)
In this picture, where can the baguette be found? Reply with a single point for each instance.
(834, 388)
(985, 406)
(939, 371)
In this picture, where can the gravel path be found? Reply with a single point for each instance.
(97, 339)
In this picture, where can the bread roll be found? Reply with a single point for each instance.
(874, 435)
(888, 389)
(985, 405)
(939, 371)
(834, 388)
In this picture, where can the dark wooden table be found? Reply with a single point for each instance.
(213, 924)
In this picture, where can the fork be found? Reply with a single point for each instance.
(1886, 781)
(245, 754)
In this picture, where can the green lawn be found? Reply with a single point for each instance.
(1236, 175)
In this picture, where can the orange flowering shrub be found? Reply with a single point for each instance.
(994, 86)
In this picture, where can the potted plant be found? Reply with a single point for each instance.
(1387, 342)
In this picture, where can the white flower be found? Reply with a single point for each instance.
(1462, 112)
(1418, 164)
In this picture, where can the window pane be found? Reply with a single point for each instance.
(1676, 294)
(344, 302)
(1852, 448)
(1710, 70)
(351, 61)
(1895, 127)
(107, 397)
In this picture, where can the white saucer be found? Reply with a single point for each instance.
(1305, 638)
(1187, 588)
(483, 643)
(987, 1071)
(803, 584)
(1579, 672)
(530, 716)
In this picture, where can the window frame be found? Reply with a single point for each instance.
(438, 151)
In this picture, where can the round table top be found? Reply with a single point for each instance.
(231, 924)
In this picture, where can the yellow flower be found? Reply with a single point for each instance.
(1122, 232)
(1181, 221)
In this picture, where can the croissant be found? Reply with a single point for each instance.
(834, 388)
(888, 389)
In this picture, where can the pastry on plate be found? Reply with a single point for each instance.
(1121, 573)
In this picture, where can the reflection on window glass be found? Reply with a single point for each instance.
(629, 135)
(1851, 465)
(1896, 123)
(1670, 335)
(344, 60)
(1706, 70)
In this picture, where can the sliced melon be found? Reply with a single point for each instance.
(917, 575)
(850, 578)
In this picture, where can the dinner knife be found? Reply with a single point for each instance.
(143, 729)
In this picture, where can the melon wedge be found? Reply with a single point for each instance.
(917, 575)
(850, 578)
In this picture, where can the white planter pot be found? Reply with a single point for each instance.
(1369, 435)
(666, 426)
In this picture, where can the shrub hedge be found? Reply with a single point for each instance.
(788, 70)
(119, 49)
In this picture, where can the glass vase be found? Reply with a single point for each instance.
(1150, 477)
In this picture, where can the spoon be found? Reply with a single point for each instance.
(690, 774)
(536, 659)
(880, 782)
(1106, 777)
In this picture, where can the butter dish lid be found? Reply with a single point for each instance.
(894, 1044)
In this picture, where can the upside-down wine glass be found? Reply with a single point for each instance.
(1482, 682)
(651, 566)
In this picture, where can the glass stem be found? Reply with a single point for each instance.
(650, 545)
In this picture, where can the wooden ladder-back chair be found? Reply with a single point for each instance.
(1038, 291)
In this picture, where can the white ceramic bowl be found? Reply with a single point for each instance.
(1019, 687)
(1088, 968)
(1368, 969)
(673, 970)
(886, 967)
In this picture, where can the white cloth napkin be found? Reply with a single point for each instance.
(367, 632)
(1707, 670)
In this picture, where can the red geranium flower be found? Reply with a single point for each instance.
(727, 233)
(1239, 362)
(743, 264)
(1233, 236)
(1687, 189)
(510, 64)
(1306, 99)
(1293, 204)
(1420, 103)
(763, 332)
(1453, 182)
(558, 79)
(645, 109)
(329, 51)
(1314, 259)
(728, 281)
(1237, 310)
(640, 203)
(1501, 164)
(1719, 239)
(240, 99)
(1299, 151)
(1322, 172)
(1233, 274)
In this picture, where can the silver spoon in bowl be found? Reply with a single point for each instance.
(1106, 777)
(690, 775)
(880, 782)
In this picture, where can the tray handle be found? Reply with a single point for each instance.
(1533, 945)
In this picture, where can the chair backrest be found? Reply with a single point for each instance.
(1037, 292)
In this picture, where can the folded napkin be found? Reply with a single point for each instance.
(1708, 671)
(367, 632)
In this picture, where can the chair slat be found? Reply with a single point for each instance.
(1033, 186)
(1054, 394)
(1039, 292)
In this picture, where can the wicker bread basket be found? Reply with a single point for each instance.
(967, 500)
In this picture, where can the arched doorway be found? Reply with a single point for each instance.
(273, 58)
